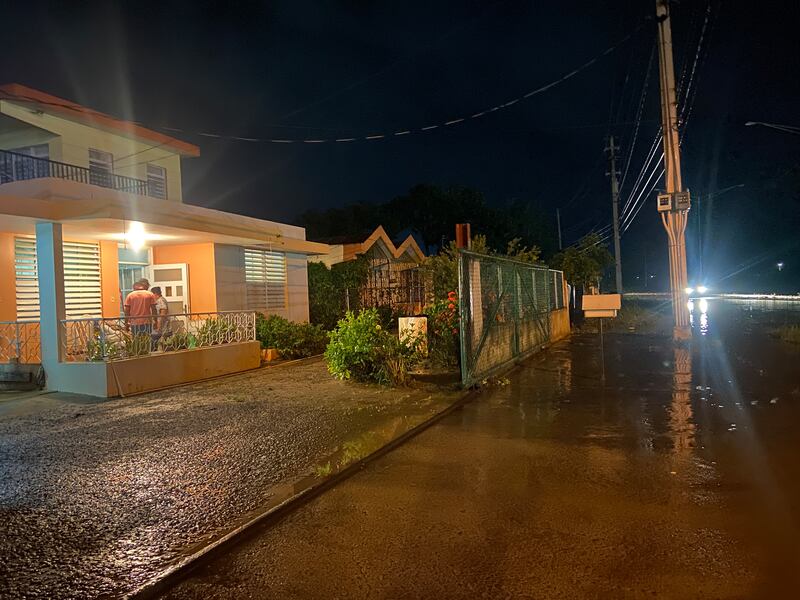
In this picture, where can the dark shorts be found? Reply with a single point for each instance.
(143, 328)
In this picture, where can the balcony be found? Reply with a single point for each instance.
(21, 167)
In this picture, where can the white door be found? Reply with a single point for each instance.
(174, 283)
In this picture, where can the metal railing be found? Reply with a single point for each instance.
(21, 167)
(105, 340)
(20, 342)
(505, 308)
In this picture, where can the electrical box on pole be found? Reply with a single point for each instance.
(673, 205)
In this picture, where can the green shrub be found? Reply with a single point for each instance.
(332, 290)
(216, 331)
(291, 340)
(362, 349)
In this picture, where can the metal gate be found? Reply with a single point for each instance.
(505, 308)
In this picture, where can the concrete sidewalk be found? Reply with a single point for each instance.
(99, 497)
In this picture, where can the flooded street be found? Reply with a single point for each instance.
(678, 477)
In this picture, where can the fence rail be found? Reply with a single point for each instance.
(20, 342)
(505, 308)
(21, 167)
(106, 340)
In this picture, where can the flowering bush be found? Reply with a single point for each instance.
(443, 327)
(360, 348)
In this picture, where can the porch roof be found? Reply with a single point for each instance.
(103, 214)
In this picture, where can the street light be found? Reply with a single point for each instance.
(780, 266)
(784, 128)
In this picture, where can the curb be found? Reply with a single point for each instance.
(171, 576)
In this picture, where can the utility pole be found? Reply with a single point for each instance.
(558, 221)
(612, 157)
(673, 206)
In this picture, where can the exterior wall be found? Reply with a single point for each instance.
(89, 378)
(8, 291)
(202, 278)
(70, 142)
(297, 282)
(137, 375)
(559, 324)
(230, 283)
(109, 278)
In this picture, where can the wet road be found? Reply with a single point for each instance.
(96, 498)
(679, 478)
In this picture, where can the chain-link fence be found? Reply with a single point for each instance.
(505, 308)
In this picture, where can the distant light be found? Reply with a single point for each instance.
(702, 289)
(703, 305)
(689, 290)
(780, 266)
(135, 237)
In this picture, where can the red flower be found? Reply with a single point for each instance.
(451, 296)
(451, 306)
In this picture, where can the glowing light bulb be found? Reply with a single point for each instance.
(702, 289)
(135, 238)
(689, 290)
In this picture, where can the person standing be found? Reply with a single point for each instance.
(138, 308)
(161, 309)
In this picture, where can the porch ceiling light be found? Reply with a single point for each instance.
(135, 237)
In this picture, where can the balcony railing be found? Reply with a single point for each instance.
(105, 340)
(19, 342)
(21, 167)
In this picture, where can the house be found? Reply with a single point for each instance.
(394, 279)
(90, 203)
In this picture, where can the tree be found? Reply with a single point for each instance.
(583, 264)
(442, 269)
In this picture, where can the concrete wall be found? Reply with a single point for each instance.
(297, 280)
(202, 276)
(136, 375)
(70, 141)
(559, 324)
(8, 290)
(109, 278)
(230, 283)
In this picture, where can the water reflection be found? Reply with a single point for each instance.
(681, 422)
(701, 307)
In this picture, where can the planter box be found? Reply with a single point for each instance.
(269, 355)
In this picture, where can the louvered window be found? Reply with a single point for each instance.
(156, 181)
(265, 277)
(82, 291)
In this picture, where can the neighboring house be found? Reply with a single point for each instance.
(103, 198)
(394, 278)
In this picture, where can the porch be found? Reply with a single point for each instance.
(70, 261)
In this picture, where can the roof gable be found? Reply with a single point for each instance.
(71, 110)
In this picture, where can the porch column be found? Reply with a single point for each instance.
(52, 306)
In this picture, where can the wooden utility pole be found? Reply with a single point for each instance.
(612, 157)
(674, 204)
(558, 222)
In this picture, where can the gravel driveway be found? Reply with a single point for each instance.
(98, 497)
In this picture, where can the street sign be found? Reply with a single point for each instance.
(601, 305)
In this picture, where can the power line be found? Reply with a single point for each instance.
(639, 113)
(448, 124)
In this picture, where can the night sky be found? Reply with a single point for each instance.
(320, 70)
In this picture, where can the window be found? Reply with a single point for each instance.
(82, 293)
(156, 181)
(265, 279)
(101, 167)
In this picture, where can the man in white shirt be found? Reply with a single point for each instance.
(161, 309)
